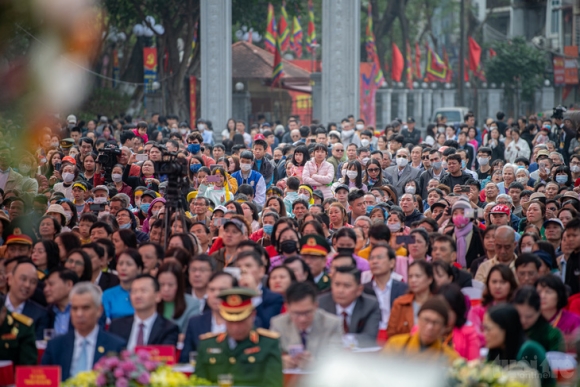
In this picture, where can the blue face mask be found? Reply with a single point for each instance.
(268, 228)
(370, 208)
(194, 148)
(463, 164)
(124, 226)
(561, 179)
(145, 207)
(194, 167)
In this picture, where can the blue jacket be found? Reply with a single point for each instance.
(271, 306)
(59, 350)
(198, 325)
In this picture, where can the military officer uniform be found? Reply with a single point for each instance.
(317, 247)
(17, 338)
(254, 361)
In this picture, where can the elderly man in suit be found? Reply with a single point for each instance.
(81, 348)
(383, 286)
(145, 327)
(360, 314)
(402, 173)
(305, 330)
(23, 281)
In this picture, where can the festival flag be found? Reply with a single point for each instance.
(474, 55)
(398, 64)
(296, 37)
(465, 70)
(283, 30)
(492, 53)
(271, 36)
(311, 33)
(409, 70)
(418, 62)
(250, 34)
(449, 72)
(436, 70)
(278, 71)
(372, 55)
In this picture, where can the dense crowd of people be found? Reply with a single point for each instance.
(296, 238)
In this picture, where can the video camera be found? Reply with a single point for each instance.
(107, 159)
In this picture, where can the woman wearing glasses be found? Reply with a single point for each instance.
(374, 176)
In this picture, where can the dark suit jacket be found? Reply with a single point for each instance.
(198, 325)
(39, 315)
(365, 318)
(163, 332)
(398, 289)
(59, 350)
(271, 306)
(108, 280)
(52, 317)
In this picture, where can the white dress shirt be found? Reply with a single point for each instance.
(384, 299)
(349, 309)
(201, 301)
(91, 345)
(217, 328)
(148, 322)
(12, 308)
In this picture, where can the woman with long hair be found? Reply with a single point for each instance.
(506, 340)
(217, 190)
(67, 242)
(353, 175)
(287, 244)
(338, 216)
(123, 240)
(45, 256)
(299, 159)
(276, 203)
(176, 305)
(279, 279)
(48, 228)
(89, 167)
(500, 286)
(80, 262)
(537, 328)
(318, 172)
(404, 309)
(553, 301)
(374, 175)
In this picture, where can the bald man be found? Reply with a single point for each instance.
(505, 246)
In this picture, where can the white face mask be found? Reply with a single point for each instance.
(483, 160)
(365, 161)
(68, 177)
(352, 174)
(402, 162)
(394, 227)
(527, 249)
(441, 129)
(410, 189)
(364, 142)
(201, 127)
(360, 126)
(183, 131)
(347, 133)
(304, 197)
(575, 168)
(68, 216)
(245, 167)
(117, 177)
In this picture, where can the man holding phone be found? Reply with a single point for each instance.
(456, 176)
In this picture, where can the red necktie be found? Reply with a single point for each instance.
(345, 322)
(140, 335)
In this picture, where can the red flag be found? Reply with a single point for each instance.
(474, 55)
(409, 71)
(283, 28)
(417, 61)
(465, 70)
(449, 74)
(277, 71)
(271, 34)
(398, 64)
(250, 35)
(492, 53)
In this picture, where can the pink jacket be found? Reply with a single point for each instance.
(466, 342)
(319, 178)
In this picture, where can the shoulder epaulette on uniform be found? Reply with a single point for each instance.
(40, 275)
(22, 319)
(207, 335)
(268, 333)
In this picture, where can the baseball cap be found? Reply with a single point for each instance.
(220, 208)
(440, 203)
(101, 188)
(500, 209)
(464, 204)
(543, 152)
(411, 119)
(342, 186)
(238, 223)
(71, 119)
(553, 220)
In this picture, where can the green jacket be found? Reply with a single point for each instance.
(256, 361)
(17, 339)
(323, 284)
(546, 335)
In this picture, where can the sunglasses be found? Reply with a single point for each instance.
(373, 170)
(425, 158)
(339, 150)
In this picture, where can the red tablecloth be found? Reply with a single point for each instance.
(6, 373)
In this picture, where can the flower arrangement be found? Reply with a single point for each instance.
(478, 374)
(132, 370)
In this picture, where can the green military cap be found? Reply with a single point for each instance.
(236, 303)
(67, 142)
(314, 244)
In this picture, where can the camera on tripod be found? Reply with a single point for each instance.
(107, 158)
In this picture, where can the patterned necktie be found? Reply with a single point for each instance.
(345, 322)
(141, 335)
